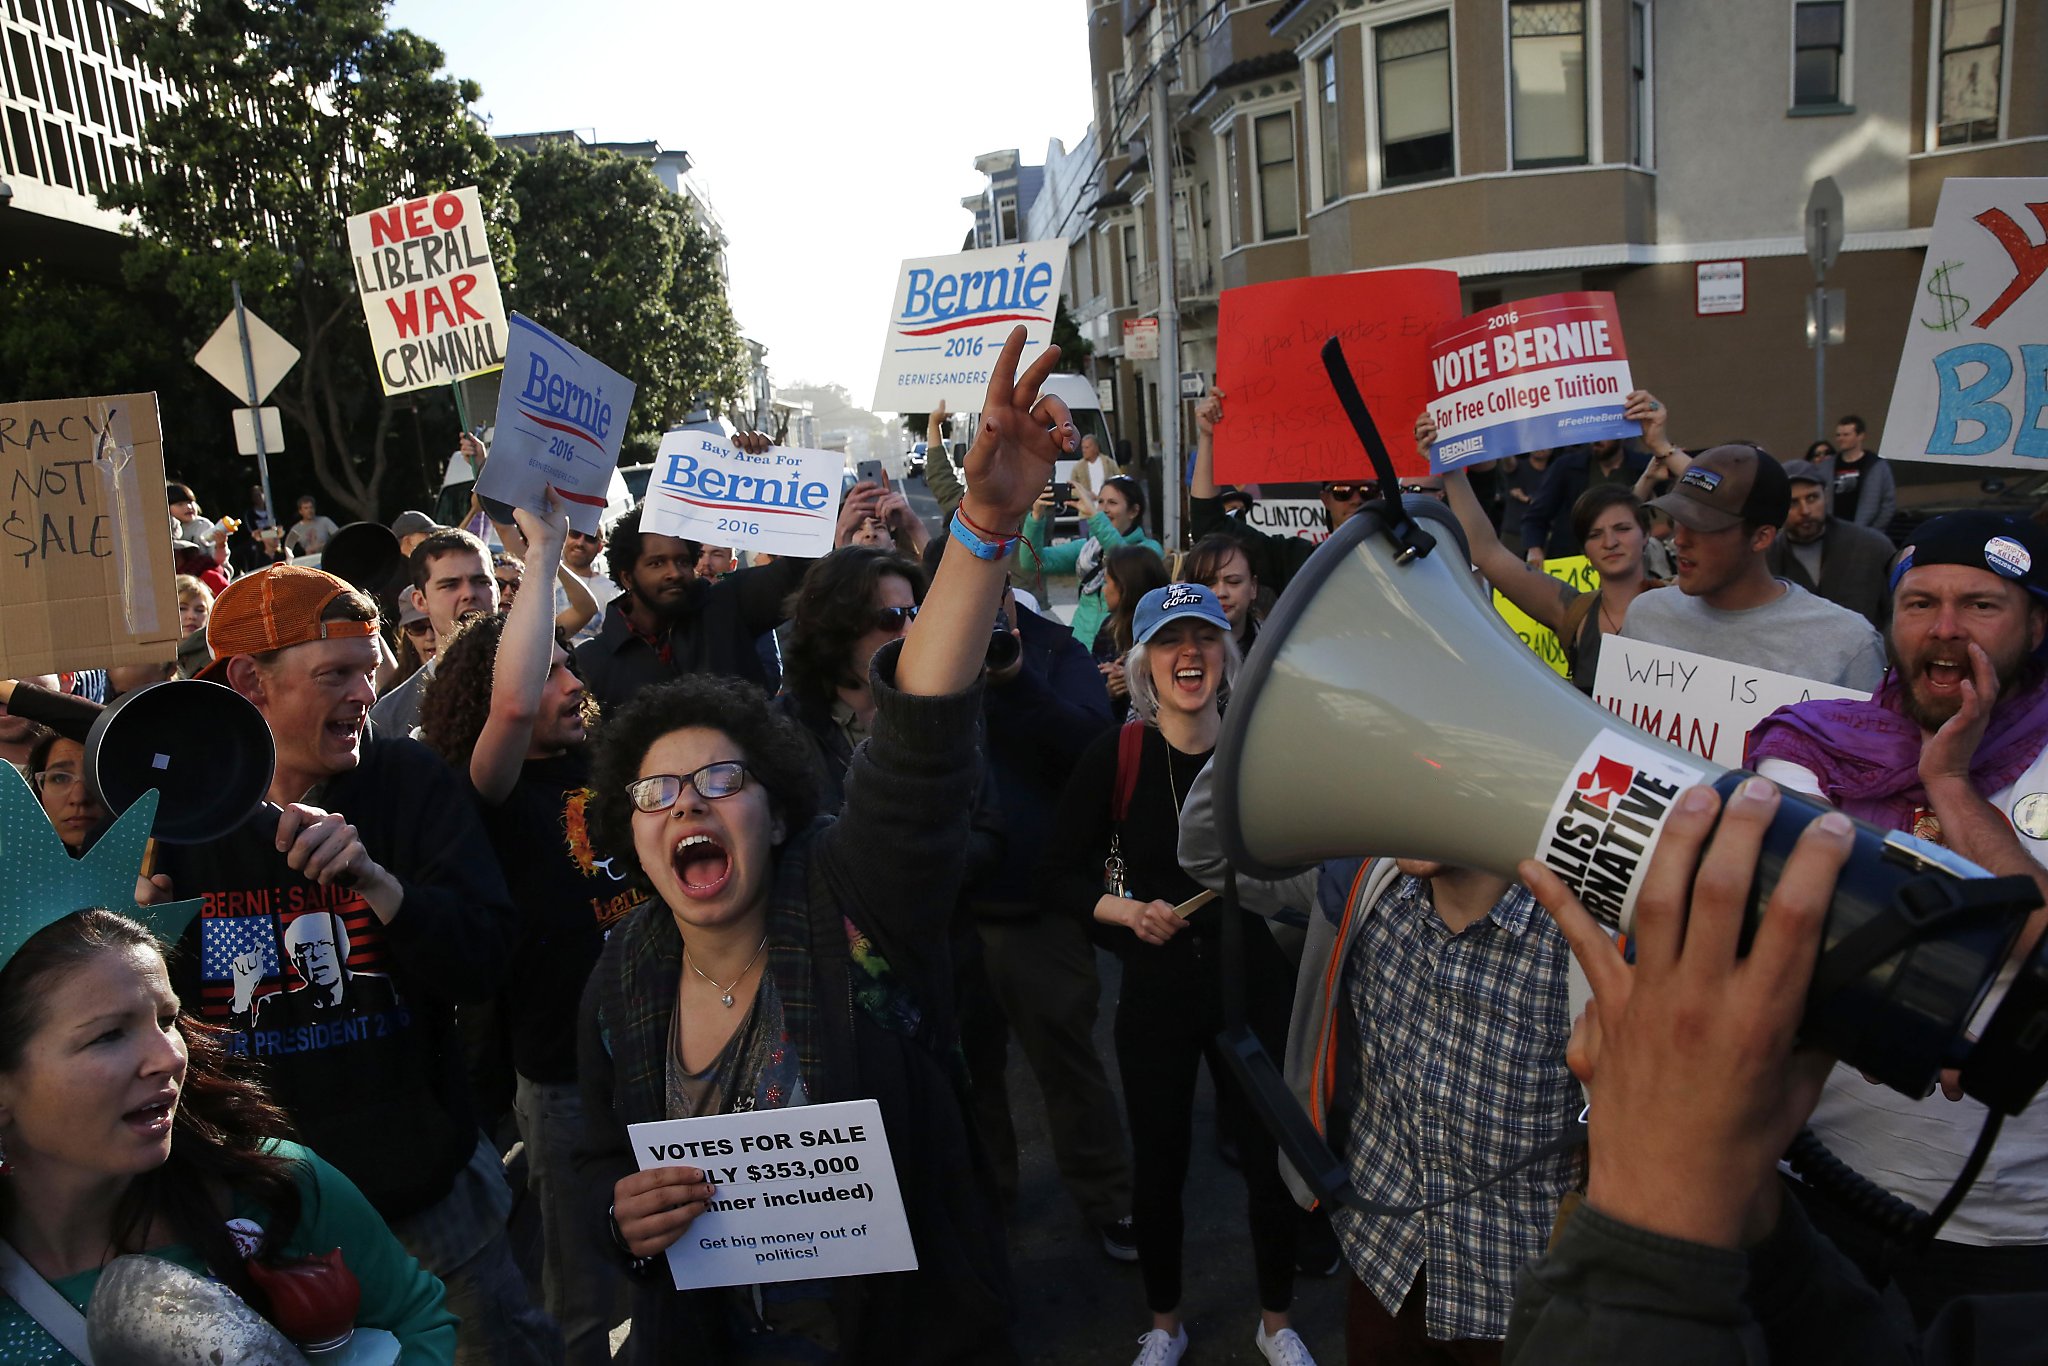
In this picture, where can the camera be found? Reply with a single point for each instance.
(1004, 649)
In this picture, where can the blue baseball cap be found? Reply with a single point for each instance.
(1173, 602)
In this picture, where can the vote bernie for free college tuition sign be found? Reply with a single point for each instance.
(1972, 387)
(951, 315)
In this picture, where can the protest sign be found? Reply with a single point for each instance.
(561, 419)
(85, 543)
(1575, 570)
(1972, 387)
(1528, 376)
(706, 489)
(1693, 701)
(430, 292)
(801, 1193)
(1299, 517)
(951, 315)
(1283, 420)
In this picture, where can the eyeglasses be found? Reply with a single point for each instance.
(1344, 493)
(893, 618)
(55, 780)
(664, 790)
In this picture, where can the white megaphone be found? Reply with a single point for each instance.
(1387, 709)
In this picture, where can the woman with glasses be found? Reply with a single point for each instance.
(1112, 517)
(781, 960)
(852, 603)
(56, 765)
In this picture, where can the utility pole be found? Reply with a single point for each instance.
(1162, 144)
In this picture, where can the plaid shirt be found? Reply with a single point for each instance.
(1455, 1070)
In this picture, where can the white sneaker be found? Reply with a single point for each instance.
(1158, 1348)
(1284, 1348)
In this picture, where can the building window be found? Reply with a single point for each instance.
(1639, 150)
(1547, 72)
(1205, 212)
(1326, 126)
(1273, 142)
(1972, 51)
(1817, 47)
(1130, 233)
(1006, 219)
(1230, 218)
(1414, 60)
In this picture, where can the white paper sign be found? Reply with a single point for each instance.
(1696, 702)
(784, 501)
(1972, 387)
(561, 419)
(429, 290)
(951, 315)
(802, 1193)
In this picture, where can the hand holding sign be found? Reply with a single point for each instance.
(655, 1207)
(1021, 436)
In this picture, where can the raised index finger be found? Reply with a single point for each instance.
(1026, 395)
(1002, 376)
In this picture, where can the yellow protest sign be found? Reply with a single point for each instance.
(1575, 570)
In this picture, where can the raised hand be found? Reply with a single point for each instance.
(1208, 413)
(1022, 433)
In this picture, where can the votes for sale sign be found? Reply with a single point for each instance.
(1528, 376)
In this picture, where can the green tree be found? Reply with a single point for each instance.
(617, 264)
(296, 114)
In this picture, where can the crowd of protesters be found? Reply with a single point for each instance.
(571, 832)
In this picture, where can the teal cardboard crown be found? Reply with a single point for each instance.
(40, 883)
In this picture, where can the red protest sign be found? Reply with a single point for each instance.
(1284, 424)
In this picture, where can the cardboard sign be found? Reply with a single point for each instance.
(85, 545)
(706, 489)
(1283, 423)
(950, 318)
(561, 420)
(801, 1194)
(430, 292)
(1529, 376)
(1972, 387)
(1575, 570)
(1696, 702)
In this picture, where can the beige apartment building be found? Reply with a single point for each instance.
(1543, 145)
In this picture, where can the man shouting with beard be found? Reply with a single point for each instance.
(1953, 748)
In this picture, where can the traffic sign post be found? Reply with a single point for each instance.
(1823, 245)
(248, 358)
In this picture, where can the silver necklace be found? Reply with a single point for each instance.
(725, 993)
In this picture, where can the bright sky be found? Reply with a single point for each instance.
(833, 139)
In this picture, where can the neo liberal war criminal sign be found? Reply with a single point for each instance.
(85, 552)
(430, 292)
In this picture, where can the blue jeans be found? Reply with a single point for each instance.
(462, 1239)
(580, 1277)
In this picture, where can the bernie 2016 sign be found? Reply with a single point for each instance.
(783, 501)
(1972, 387)
(950, 318)
(1528, 376)
(430, 292)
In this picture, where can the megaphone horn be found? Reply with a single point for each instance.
(1387, 709)
(203, 746)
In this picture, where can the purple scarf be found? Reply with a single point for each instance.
(1867, 753)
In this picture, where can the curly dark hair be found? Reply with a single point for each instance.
(622, 546)
(457, 699)
(224, 1125)
(777, 752)
(829, 612)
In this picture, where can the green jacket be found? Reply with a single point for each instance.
(1062, 559)
(399, 1295)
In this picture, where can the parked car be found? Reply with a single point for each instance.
(2019, 493)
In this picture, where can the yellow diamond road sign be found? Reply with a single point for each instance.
(221, 357)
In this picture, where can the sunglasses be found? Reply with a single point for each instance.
(419, 628)
(1425, 490)
(664, 790)
(893, 618)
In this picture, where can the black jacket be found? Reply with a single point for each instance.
(716, 634)
(1855, 564)
(379, 1087)
(1274, 559)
